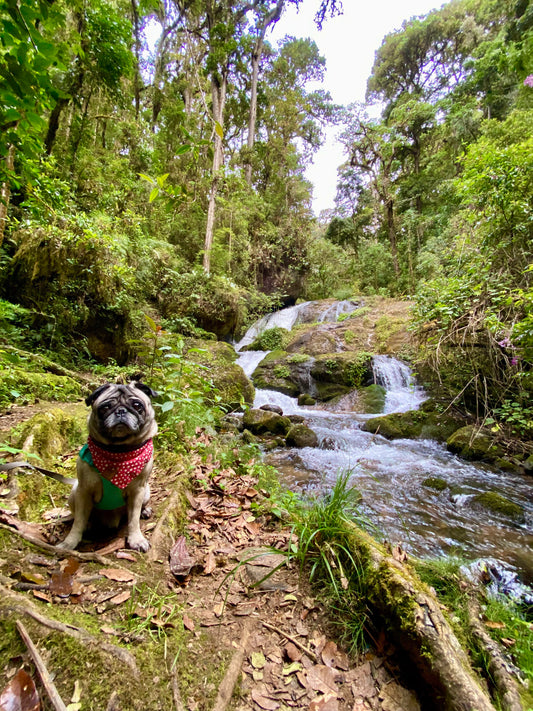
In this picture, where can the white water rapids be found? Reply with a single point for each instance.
(389, 474)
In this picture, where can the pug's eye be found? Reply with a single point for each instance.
(137, 405)
(104, 408)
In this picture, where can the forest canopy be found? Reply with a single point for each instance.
(168, 177)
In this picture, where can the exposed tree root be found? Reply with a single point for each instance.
(225, 690)
(22, 607)
(413, 616)
(498, 667)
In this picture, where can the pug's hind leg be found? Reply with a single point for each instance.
(146, 509)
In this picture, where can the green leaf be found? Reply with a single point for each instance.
(147, 178)
(151, 323)
(166, 406)
(183, 149)
(153, 194)
(219, 129)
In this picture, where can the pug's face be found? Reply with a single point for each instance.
(122, 414)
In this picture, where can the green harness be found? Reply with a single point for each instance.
(112, 497)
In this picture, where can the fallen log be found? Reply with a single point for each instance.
(414, 618)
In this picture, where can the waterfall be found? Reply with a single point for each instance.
(402, 393)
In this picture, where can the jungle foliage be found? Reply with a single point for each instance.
(152, 160)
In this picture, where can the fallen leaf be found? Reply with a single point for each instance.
(124, 555)
(210, 563)
(290, 598)
(258, 660)
(76, 695)
(188, 623)
(293, 653)
(56, 513)
(329, 654)
(263, 701)
(508, 642)
(322, 678)
(106, 629)
(20, 694)
(119, 575)
(121, 597)
(60, 583)
(41, 595)
(291, 668)
(494, 625)
(324, 703)
(180, 560)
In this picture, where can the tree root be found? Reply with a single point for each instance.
(413, 616)
(498, 667)
(227, 686)
(23, 607)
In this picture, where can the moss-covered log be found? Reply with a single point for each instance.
(414, 619)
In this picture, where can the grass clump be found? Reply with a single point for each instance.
(335, 567)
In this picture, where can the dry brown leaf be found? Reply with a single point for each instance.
(264, 701)
(180, 560)
(20, 694)
(60, 583)
(210, 563)
(494, 625)
(188, 623)
(107, 629)
(121, 597)
(124, 555)
(324, 703)
(41, 595)
(508, 642)
(322, 678)
(329, 654)
(119, 575)
(292, 652)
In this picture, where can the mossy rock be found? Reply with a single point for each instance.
(52, 433)
(17, 384)
(305, 399)
(271, 339)
(301, 436)
(277, 372)
(474, 443)
(413, 424)
(232, 385)
(499, 505)
(349, 370)
(314, 341)
(435, 483)
(260, 422)
(372, 399)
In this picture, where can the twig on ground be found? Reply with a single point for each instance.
(46, 679)
(292, 639)
(22, 607)
(227, 686)
(178, 703)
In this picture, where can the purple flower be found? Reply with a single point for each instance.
(505, 342)
(514, 360)
(528, 81)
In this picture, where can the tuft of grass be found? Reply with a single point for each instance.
(334, 567)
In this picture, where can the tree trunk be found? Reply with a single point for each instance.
(137, 47)
(414, 618)
(218, 89)
(391, 229)
(256, 57)
(5, 192)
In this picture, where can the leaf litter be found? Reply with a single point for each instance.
(231, 567)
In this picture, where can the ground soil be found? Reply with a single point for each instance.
(215, 616)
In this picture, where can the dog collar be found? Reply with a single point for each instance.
(124, 466)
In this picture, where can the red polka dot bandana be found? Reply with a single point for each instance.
(125, 466)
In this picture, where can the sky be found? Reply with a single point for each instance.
(348, 43)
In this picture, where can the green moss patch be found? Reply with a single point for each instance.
(499, 505)
(22, 385)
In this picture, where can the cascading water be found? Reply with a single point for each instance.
(391, 474)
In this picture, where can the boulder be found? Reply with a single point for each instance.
(499, 505)
(414, 424)
(301, 436)
(474, 443)
(261, 422)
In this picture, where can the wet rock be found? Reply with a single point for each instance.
(231, 422)
(413, 424)
(296, 419)
(305, 399)
(248, 438)
(272, 408)
(436, 483)
(372, 399)
(474, 443)
(301, 436)
(499, 505)
(328, 443)
(261, 422)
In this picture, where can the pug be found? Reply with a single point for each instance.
(114, 466)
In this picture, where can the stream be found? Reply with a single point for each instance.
(389, 475)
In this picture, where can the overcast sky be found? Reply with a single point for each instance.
(348, 43)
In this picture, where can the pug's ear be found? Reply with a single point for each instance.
(145, 389)
(92, 397)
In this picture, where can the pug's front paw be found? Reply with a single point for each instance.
(67, 545)
(138, 542)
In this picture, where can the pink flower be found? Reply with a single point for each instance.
(514, 360)
(528, 81)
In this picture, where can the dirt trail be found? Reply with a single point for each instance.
(215, 618)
